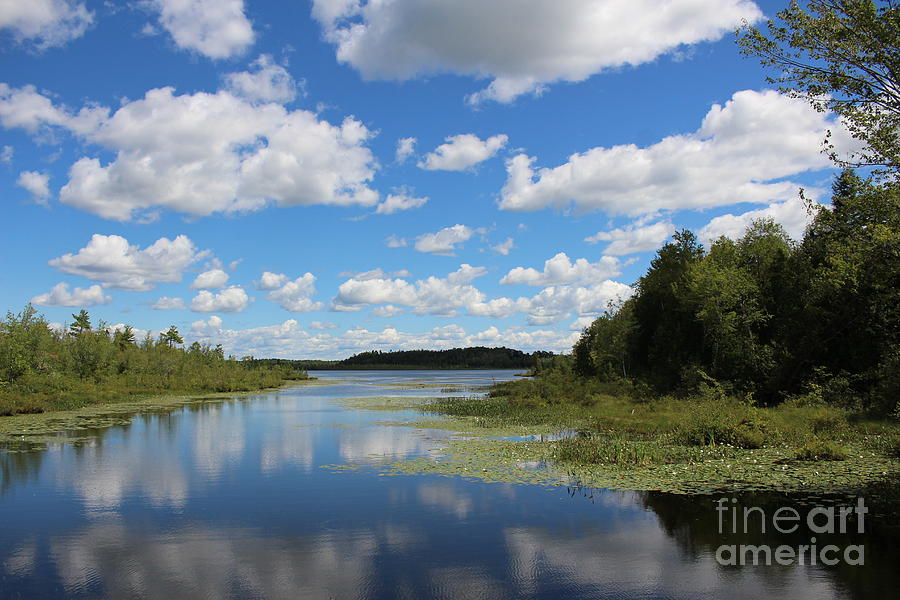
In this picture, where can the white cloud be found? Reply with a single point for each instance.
(112, 261)
(6, 154)
(504, 247)
(271, 281)
(581, 323)
(395, 242)
(167, 303)
(739, 154)
(556, 303)
(27, 109)
(406, 147)
(60, 295)
(633, 239)
(387, 311)
(375, 274)
(210, 280)
(45, 23)
(201, 154)
(265, 82)
(289, 340)
(296, 296)
(37, 184)
(214, 28)
(461, 152)
(230, 300)
(560, 270)
(322, 325)
(434, 295)
(792, 215)
(522, 45)
(398, 202)
(444, 241)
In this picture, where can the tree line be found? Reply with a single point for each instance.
(767, 317)
(477, 357)
(42, 368)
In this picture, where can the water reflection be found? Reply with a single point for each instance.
(227, 500)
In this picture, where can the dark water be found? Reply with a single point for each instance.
(229, 499)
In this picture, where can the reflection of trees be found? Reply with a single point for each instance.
(692, 521)
(18, 468)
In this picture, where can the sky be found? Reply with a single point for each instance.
(316, 178)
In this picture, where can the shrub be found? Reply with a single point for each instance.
(821, 450)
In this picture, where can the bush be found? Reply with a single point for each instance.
(821, 450)
(721, 423)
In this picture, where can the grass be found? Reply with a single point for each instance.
(628, 440)
(36, 394)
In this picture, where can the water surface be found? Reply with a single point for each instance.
(230, 499)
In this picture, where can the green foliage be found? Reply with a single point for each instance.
(821, 450)
(766, 317)
(609, 451)
(729, 423)
(840, 55)
(42, 369)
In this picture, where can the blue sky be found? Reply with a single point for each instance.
(317, 178)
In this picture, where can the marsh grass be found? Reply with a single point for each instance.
(621, 426)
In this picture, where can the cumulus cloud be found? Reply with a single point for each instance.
(741, 153)
(504, 247)
(322, 325)
(201, 154)
(375, 274)
(396, 242)
(434, 295)
(387, 311)
(45, 23)
(406, 147)
(633, 239)
(230, 300)
(549, 41)
(290, 340)
(6, 154)
(37, 184)
(296, 296)
(444, 241)
(398, 202)
(271, 281)
(792, 215)
(210, 280)
(454, 294)
(560, 270)
(112, 261)
(214, 28)
(461, 152)
(60, 295)
(167, 303)
(266, 81)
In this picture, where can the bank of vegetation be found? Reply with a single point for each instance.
(760, 350)
(478, 357)
(44, 369)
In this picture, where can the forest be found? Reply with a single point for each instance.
(44, 369)
(767, 318)
(478, 357)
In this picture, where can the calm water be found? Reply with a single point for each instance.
(229, 499)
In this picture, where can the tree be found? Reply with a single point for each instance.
(840, 56)
(81, 324)
(171, 337)
(124, 337)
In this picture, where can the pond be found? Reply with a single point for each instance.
(284, 495)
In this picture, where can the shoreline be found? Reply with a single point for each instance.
(33, 431)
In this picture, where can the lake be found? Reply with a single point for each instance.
(283, 495)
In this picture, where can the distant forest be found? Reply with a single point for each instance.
(457, 358)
